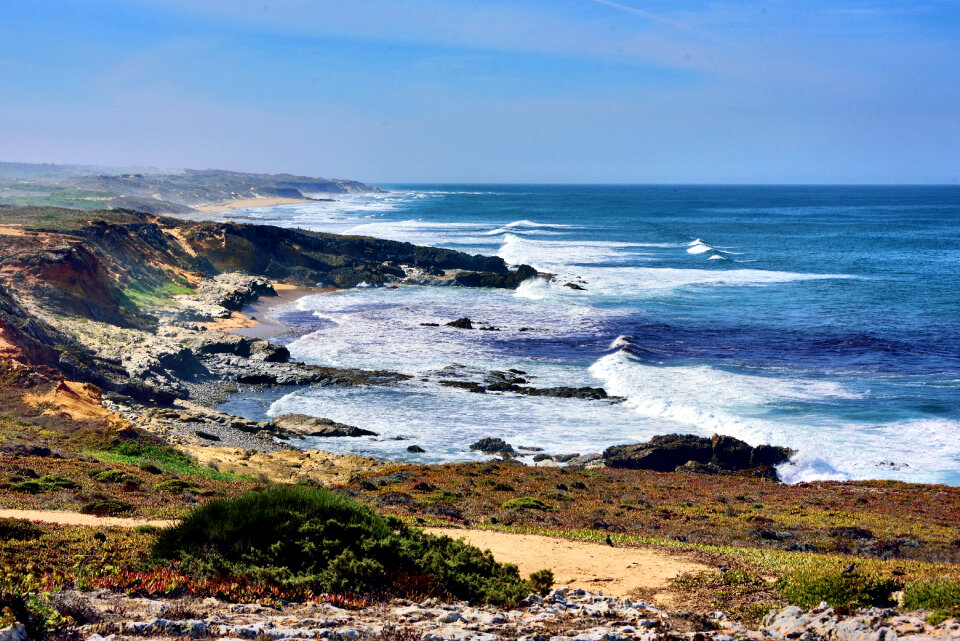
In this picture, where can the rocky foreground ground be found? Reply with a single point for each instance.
(563, 615)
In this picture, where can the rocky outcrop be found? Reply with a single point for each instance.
(461, 323)
(498, 279)
(233, 291)
(224, 343)
(669, 452)
(301, 425)
(492, 446)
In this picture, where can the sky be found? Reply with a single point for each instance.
(556, 91)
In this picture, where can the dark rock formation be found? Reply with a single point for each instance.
(686, 452)
(415, 449)
(461, 323)
(574, 286)
(301, 425)
(237, 345)
(498, 279)
(492, 446)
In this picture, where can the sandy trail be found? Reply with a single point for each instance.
(75, 518)
(617, 571)
(597, 567)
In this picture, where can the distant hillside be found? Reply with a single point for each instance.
(154, 191)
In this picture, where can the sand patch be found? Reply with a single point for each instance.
(10, 230)
(78, 400)
(75, 518)
(595, 567)
(233, 323)
(261, 325)
(243, 203)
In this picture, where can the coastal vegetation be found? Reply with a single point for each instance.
(307, 536)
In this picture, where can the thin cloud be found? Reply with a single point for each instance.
(654, 17)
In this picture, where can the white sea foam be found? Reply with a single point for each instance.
(706, 400)
(381, 328)
(698, 247)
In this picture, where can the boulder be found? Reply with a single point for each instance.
(236, 345)
(686, 452)
(730, 453)
(301, 425)
(662, 453)
(461, 323)
(415, 449)
(574, 286)
(492, 446)
(769, 455)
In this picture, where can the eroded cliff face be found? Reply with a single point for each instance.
(123, 271)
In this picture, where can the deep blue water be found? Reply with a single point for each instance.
(824, 318)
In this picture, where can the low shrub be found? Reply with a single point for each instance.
(175, 486)
(526, 503)
(106, 507)
(44, 484)
(314, 538)
(19, 530)
(542, 581)
(809, 588)
(942, 594)
(116, 476)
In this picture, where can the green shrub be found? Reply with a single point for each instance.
(30, 486)
(542, 581)
(307, 536)
(175, 486)
(116, 476)
(19, 530)
(942, 594)
(106, 507)
(156, 458)
(808, 588)
(48, 483)
(526, 503)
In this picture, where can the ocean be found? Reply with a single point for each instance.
(822, 318)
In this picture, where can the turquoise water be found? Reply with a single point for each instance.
(823, 318)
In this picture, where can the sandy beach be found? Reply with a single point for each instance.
(243, 203)
(258, 324)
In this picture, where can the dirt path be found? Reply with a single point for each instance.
(75, 518)
(597, 567)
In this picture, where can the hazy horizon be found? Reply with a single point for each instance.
(506, 92)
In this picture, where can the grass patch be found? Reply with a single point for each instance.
(808, 589)
(936, 595)
(161, 457)
(138, 296)
(311, 537)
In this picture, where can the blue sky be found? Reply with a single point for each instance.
(490, 91)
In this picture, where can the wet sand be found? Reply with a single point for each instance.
(265, 327)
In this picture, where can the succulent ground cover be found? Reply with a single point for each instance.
(772, 544)
(94, 464)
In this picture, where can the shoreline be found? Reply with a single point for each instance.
(261, 325)
(244, 203)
